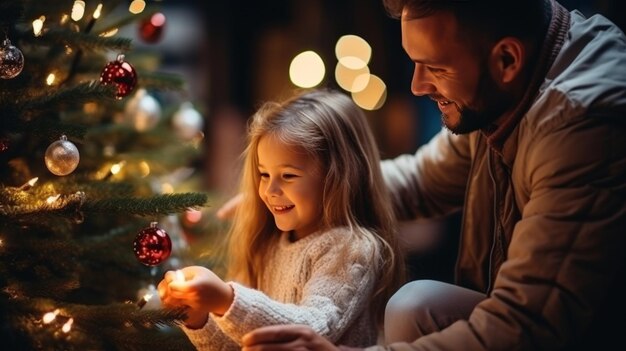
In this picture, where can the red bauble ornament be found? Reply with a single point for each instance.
(120, 73)
(4, 144)
(152, 245)
(151, 28)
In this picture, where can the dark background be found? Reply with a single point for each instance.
(236, 54)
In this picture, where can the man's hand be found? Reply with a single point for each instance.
(286, 337)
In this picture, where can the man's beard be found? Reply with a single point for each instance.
(490, 102)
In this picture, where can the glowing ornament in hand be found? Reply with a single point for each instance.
(11, 60)
(120, 73)
(62, 157)
(152, 245)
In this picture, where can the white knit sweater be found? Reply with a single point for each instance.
(303, 284)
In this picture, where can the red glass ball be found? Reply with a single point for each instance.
(151, 28)
(120, 73)
(4, 144)
(152, 245)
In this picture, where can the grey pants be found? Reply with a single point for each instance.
(425, 306)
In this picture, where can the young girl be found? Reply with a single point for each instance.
(313, 239)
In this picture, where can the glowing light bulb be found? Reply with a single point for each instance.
(50, 316)
(67, 326)
(179, 276)
(38, 25)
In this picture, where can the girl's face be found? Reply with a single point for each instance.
(291, 186)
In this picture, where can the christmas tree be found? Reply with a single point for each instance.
(94, 171)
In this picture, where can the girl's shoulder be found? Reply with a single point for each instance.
(346, 240)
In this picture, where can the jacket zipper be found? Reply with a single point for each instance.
(495, 221)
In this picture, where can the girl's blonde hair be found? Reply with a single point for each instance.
(329, 127)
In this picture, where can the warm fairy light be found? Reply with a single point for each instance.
(144, 300)
(51, 78)
(50, 316)
(51, 199)
(137, 6)
(78, 10)
(109, 33)
(38, 25)
(179, 276)
(145, 168)
(29, 184)
(96, 13)
(116, 168)
(167, 188)
(68, 325)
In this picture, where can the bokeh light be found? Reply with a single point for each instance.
(353, 51)
(307, 69)
(374, 94)
(346, 77)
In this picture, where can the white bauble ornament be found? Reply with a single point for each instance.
(62, 157)
(143, 111)
(187, 121)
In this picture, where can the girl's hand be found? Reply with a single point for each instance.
(201, 290)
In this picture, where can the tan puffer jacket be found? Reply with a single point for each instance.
(544, 216)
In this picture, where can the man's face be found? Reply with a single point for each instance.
(451, 74)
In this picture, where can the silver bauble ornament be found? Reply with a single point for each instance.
(187, 121)
(62, 157)
(11, 60)
(143, 111)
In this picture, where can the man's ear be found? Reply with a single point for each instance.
(507, 57)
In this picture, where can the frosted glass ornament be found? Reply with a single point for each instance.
(62, 157)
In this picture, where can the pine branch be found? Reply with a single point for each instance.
(65, 97)
(115, 326)
(19, 205)
(97, 189)
(157, 205)
(161, 81)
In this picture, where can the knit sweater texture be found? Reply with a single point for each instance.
(324, 280)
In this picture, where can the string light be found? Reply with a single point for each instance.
(93, 19)
(38, 25)
(29, 184)
(167, 188)
(51, 78)
(50, 316)
(96, 13)
(78, 10)
(67, 326)
(116, 168)
(51, 199)
(109, 33)
(144, 300)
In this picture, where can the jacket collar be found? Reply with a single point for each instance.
(555, 36)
